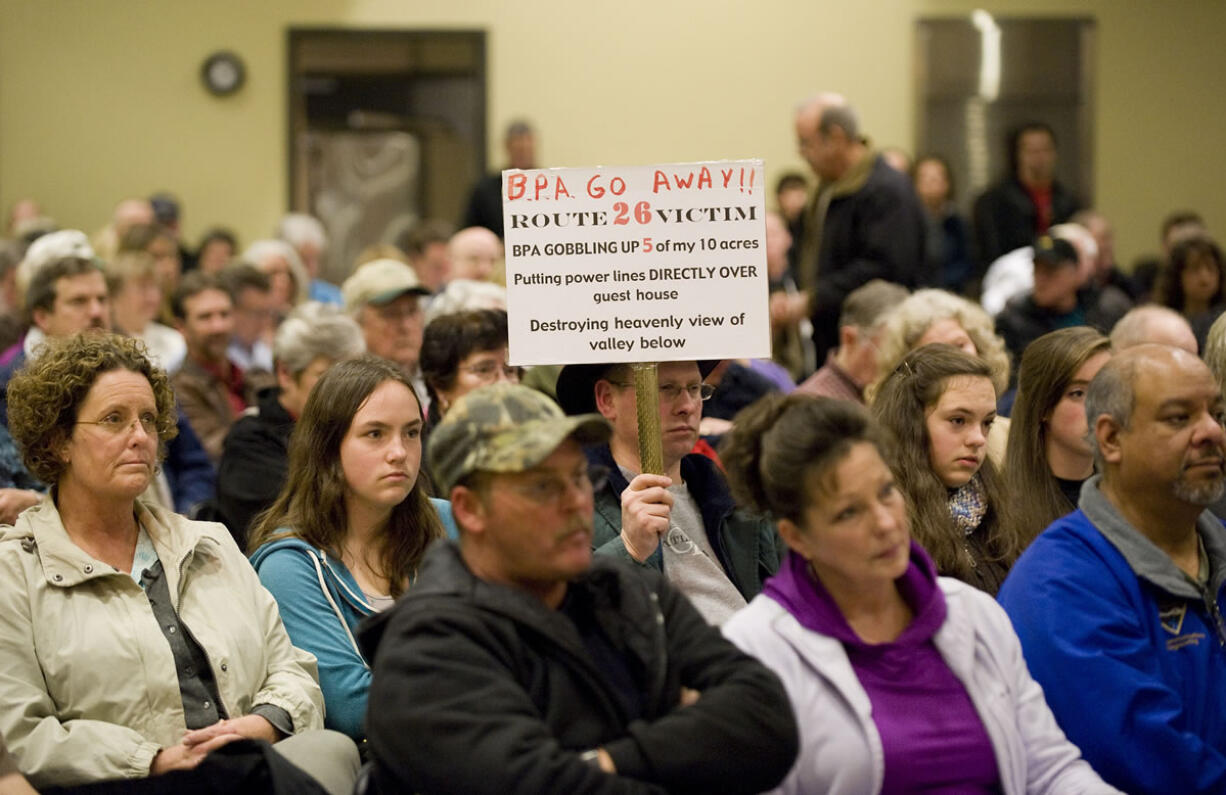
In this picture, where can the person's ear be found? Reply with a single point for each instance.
(60, 446)
(794, 537)
(848, 337)
(284, 377)
(39, 316)
(469, 510)
(604, 399)
(1107, 434)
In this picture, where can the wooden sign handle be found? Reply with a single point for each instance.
(647, 408)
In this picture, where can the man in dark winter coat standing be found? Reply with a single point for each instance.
(1027, 202)
(864, 221)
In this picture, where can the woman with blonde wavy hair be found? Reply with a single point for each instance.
(932, 315)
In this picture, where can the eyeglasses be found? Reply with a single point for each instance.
(670, 392)
(116, 424)
(399, 311)
(550, 490)
(488, 371)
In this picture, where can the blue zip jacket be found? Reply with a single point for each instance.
(1130, 653)
(306, 597)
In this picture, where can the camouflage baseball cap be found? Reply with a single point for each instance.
(504, 428)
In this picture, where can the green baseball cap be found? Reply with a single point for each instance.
(504, 428)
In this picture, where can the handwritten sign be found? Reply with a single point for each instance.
(642, 263)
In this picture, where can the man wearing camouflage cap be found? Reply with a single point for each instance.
(517, 663)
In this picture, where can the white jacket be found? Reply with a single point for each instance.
(840, 749)
(88, 685)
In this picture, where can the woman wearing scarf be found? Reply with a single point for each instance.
(940, 404)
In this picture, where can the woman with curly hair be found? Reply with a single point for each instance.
(1193, 282)
(940, 404)
(1049, 454)
(349, 529)
(133, 641)
(901, 681)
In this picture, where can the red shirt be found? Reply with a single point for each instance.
(1041, 198)
(236, 386)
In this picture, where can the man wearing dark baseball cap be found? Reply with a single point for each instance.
(684, 522)
(1059, 298)
(519, 663)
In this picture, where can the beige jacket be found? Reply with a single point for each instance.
(88, 687)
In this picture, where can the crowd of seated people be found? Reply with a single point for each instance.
(959, 533)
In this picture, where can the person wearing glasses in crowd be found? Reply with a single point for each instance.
(134, 641)
(460, 352)
(384, 297)
(521, 662)
(685, 521)
(347, 534)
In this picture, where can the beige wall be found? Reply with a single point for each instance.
(101, 98)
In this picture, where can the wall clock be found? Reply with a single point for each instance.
(223, 73)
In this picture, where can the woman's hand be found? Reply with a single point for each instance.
(199, 743)
(251, 727)
(186, 757)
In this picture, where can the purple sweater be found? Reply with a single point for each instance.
(931, 735)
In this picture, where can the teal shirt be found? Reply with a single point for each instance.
(321, 606)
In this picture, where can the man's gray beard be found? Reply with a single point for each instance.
(1200, 493)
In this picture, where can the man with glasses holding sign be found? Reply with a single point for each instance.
(683, 522)
(519, 662)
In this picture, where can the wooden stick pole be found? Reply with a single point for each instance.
(647, 407)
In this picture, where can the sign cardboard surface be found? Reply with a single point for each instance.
(636, 264)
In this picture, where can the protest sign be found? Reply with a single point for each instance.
(636, 264)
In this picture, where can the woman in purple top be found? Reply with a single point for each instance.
(901, 681)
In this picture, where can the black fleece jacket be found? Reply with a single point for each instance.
(481, 688)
